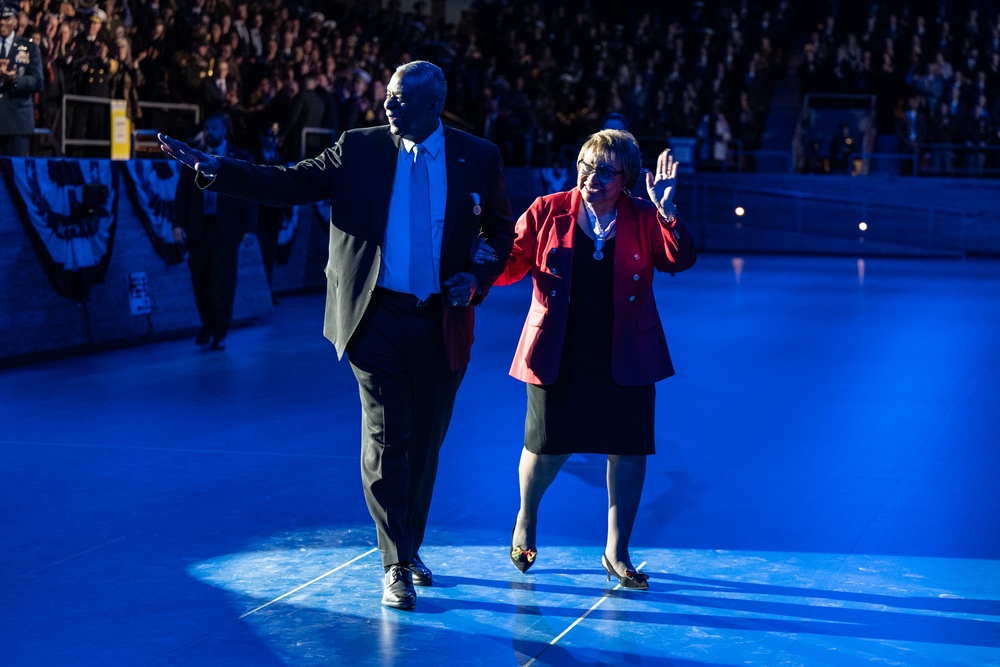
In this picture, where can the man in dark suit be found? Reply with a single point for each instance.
(219, 92)
(270, 219)
(308, 110)
(409, 200)
(213, 225)
(20, 78)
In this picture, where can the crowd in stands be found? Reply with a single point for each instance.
(933, 66)
(536, 77)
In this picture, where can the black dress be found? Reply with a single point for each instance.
(584, 411)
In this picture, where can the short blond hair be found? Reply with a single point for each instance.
(613, 146)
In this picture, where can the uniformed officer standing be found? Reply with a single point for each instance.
(92, 66)
(21, 76)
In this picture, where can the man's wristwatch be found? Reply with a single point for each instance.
(207, 173)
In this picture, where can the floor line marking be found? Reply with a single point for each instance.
(225, 623)
(309, 583)
(577, 621)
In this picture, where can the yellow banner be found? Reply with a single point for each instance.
(121, 132)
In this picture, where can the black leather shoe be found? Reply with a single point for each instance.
(204, 337)
(420, 573)
(398, 592)
(219, 343)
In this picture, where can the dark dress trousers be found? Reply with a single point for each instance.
(17, 108)
(269, 222)
(409, 359)
(214, 247)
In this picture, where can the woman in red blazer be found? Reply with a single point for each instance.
(593, 345)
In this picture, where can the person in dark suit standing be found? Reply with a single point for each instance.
(220, 91)
(410, 200)
(308, 110)
(21, 76)
(270, 219)
(213, 225)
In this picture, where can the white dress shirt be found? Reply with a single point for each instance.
(394, 273)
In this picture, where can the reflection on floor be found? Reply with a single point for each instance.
(772, 606)
(823, 493)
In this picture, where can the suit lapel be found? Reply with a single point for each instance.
(565, 222)
(626, 229)
(382, 163)
(385, 157)
(456, 164)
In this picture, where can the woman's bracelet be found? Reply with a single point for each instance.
(670, 216)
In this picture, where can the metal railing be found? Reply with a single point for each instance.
(65, 140)
(145, 141)
(926, 159)
(307, 132)
(934, 159)
(826, 215)
(194, 109)
(820, 120)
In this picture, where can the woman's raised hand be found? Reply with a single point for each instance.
(661, 184)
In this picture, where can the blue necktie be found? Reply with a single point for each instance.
(211, 207)
(423, 282)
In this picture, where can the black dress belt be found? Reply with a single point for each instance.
(408, 300)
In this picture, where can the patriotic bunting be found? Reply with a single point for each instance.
(70, 210)
(152, 185)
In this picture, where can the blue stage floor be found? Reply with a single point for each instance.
(825, 492)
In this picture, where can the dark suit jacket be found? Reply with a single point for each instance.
(17, 111)
(544, 247)
(357, 175)
(308, 110)
(235, 217)
(212, 98)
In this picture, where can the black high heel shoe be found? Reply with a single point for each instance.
(521, 558)
(633, 579)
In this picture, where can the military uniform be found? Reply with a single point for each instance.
(92, 77)
(17, 93)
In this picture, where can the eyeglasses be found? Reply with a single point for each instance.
(604, 174)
